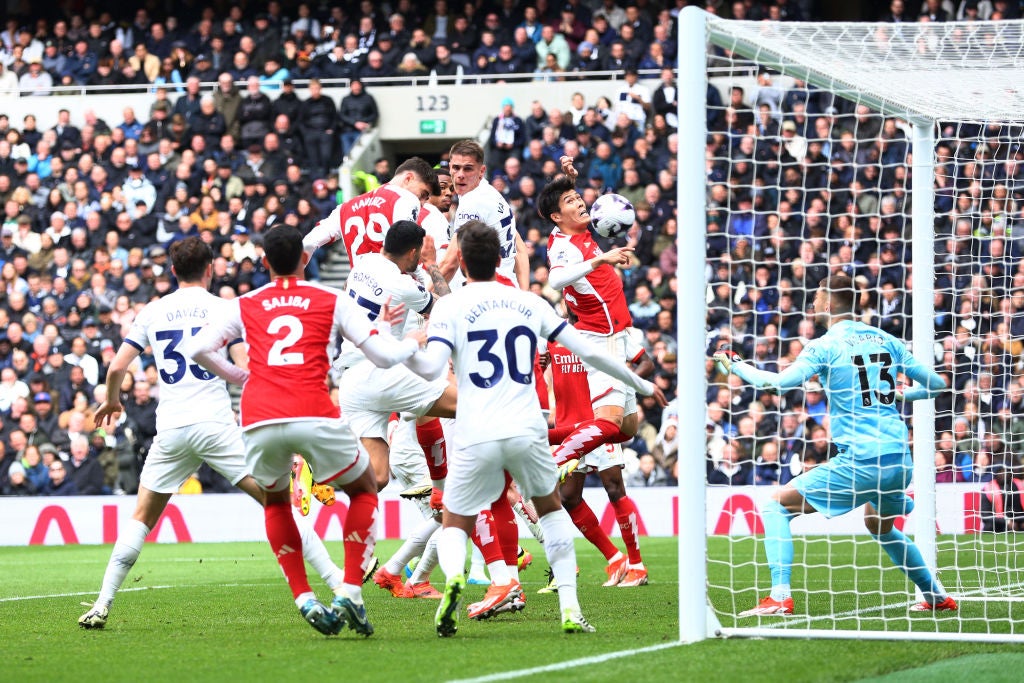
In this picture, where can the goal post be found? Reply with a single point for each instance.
(918, 79)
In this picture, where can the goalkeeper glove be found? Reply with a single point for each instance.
(726, 357)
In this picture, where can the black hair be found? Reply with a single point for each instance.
(547, 202)
(282, 246)
(418, 166)
(403, 236)
(480, 249)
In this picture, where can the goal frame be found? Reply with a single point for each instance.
(697, 620)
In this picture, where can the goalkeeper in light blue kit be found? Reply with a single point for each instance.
(858, 365)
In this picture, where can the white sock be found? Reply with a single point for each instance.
(616, 557)
(781, 592)
(451, 551)
(427, 561)
(353, 593)
(476, 567)
(561, 553)
(513, 571)
(412, 547)
(303, 598)
(499, 572)
(122, 559)
(315, 552)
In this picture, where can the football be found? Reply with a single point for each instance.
(612, 215)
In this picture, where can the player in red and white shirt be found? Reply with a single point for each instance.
(479, 201)
(572, 408)
(195, 422)
(286, 408)
(363, 221)
(490, 332)
(592, 290)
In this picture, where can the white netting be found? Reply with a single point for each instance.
(807, 180)
(938, 70)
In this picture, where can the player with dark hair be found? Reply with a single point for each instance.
(858, 365)
(593, 294)
(490, 331)
(195, 422)
(286, 408)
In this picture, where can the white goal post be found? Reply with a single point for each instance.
(921, 74)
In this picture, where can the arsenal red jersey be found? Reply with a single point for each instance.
(288, 325)
(572, 391)
(363, 221)
(596, 299)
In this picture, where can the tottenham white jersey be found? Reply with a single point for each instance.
(188, 393)
(493, 331)
(489, 206)
(372, 281)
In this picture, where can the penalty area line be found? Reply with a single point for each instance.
(561, 666)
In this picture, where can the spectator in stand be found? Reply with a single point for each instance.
(648, 473)
(508, 136)
(1002, 506)
(358, 113)
(555, 44)
(60, 484)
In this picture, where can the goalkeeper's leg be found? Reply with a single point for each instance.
(778, 547)
(905, 554)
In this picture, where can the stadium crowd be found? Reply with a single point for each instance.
(798, 183)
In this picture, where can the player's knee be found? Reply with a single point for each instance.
(571, 500)
(615, 489)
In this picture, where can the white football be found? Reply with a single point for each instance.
(612, 215)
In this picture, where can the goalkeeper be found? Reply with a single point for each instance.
(858, 365)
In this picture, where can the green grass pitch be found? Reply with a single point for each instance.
(223, 612)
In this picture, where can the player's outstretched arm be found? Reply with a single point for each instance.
(110, 409)
(929, 383)
(793, 377)
(450, 263)
(561, 276)
(323, 233)
(571, 339)
(431, 362)
(522, 263)
(385, 351)
(205, 348)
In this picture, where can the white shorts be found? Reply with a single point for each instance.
(605, 390)
(329, 446)
(476, 474)
(407, 463)
(370, 394)
(177, 453)
(603, 458)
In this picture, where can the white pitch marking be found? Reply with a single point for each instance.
(561, 666)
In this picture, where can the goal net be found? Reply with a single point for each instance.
(894, 154)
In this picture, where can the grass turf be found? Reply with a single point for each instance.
(214, 611)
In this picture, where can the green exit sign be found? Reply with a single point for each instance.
(432, 126)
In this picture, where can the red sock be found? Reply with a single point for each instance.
(585, 438)
(625, 513)
(508, 530)
(586, 521)
(431, 438)
(485, 536)
(556, 435)
(360, 531)
(286, 543)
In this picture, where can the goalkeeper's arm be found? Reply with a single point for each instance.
(929, 383)
(792, 377)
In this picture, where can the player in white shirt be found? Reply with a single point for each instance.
(490, 331)
(479, 201)
(371, 393)
(195, 422)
